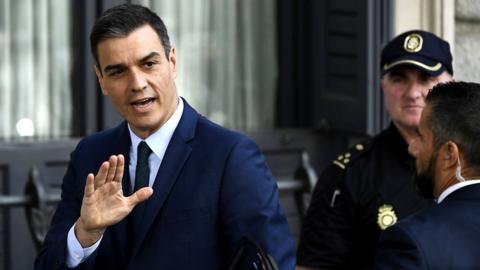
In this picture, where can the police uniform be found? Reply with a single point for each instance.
(370, 187)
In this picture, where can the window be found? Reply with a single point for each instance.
(226, 55)
(35, 67)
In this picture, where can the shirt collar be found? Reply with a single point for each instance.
(455, 187)
(159, 140)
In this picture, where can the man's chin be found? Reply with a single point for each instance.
(143, 127)
(408, 124)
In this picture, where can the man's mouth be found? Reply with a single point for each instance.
(141, 104)
(413, 106)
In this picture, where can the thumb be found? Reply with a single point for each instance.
(140, 195)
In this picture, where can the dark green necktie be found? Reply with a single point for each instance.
(142, 171)
(142, 175)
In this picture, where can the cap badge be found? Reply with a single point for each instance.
(413, 43)
(386, 216)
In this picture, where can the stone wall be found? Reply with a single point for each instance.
(467, 40)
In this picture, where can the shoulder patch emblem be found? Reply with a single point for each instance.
(386, 216)
(344, 159)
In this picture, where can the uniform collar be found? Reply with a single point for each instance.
(398, 143)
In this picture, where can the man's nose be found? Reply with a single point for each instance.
(138, 81)
(415, 90)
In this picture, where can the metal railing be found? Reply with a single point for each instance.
(301, 184)
(40, 205)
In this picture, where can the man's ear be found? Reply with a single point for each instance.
(172, 60)
(450, 154)
(99, 74)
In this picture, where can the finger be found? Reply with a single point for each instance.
(111, 170)
(140, 195)
(101, 174)
(89, 186)
(120, 168)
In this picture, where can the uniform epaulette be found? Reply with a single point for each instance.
(353, 153)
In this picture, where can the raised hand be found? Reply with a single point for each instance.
(103, 202)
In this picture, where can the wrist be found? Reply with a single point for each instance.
(86, 237)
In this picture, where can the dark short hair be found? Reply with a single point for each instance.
(455, 116)
(120, 21)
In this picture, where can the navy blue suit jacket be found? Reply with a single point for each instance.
(445, 236)
(212, 187)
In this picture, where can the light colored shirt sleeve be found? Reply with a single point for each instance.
(75, 253)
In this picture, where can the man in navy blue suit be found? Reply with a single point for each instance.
(166, 189)
(447, 154)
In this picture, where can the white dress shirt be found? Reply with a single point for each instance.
(158, 143)
(455, 187)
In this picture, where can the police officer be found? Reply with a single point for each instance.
(370, 187)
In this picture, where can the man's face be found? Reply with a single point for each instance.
(135, 73)
(422, 148)
(405, 89)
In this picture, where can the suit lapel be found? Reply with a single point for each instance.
(177, 153)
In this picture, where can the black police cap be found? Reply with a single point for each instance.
(419, 49)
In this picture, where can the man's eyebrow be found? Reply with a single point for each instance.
(149, 56)
(426, 76)
(398, 72)
(112, 67)
(143, 59)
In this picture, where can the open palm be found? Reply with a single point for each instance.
(103, 202)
